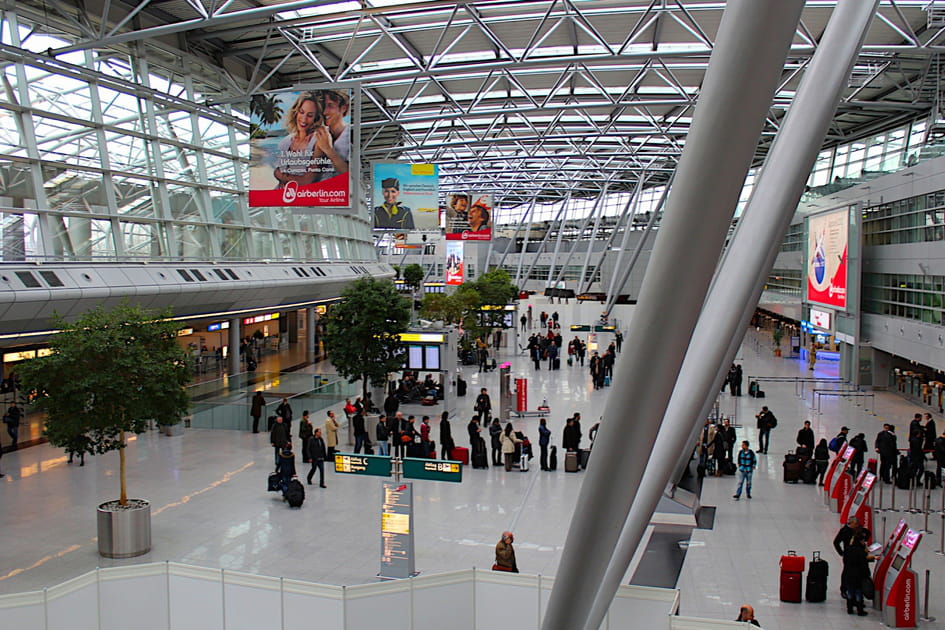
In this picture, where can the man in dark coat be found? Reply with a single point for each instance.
(766, 422)
(317, 452)
(360, 433)
(729, 438)
(805, 437)
(391, 405)
(888, 450)
(544, 437)
(446, 436)
(939, 449)
(256, 410)
(570, 439)
(285, 411)
(279, 436)
(930, 433)
(856, 462)
(495, 435)
(483, 406)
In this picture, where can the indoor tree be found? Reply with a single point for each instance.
(109, 374)
(363, 332)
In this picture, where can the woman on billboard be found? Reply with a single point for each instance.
(296, 151)
(318, 144)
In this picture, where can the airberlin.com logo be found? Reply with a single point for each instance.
(290, 192)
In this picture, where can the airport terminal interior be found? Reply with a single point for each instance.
(150, 153)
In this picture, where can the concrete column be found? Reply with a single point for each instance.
(744, 68)
(292, 326)
(310, 349)
(742, 274)
(233, 352)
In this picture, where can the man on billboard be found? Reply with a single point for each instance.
(479, 217)
(333, 139)
(391, 214)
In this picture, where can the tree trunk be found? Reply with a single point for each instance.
(123, 499)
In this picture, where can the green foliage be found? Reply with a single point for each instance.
(362, 331)
(776, 335)
(109, 373)
(414, 275)
(493, 288)
(266, 107)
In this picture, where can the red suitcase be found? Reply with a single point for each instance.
(460, 454)
(791, 587)
(792, 569)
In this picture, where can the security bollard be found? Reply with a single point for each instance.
(925, 616)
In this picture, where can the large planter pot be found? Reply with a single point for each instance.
(124, 532)
(171, 430)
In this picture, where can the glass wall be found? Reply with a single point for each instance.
(917, 297)
(115, 154)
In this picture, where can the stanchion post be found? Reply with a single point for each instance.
(941, 537)
(925, 615)
(892, 498)
(927, 504)
(884, 528)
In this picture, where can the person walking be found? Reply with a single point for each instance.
(285, 466)
(12, 420)
(317, 453)
(331, 434)
(383, 437)
(305, 432)
(508, 440)
(746, 465)
(278, 437)
(544, 438)
(256, 409)
(447, 444)
(766, 422)
(483, 406)
(505, 554)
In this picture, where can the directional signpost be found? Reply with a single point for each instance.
(397, 546)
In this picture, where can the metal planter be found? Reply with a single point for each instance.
(124, 532)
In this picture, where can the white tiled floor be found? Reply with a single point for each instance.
(210, 507)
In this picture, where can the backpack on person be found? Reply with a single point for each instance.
(835, 444)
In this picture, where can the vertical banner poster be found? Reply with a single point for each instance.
(468, 217)
(454, 262)
(827, 258)
(299, 148)
(406, 196)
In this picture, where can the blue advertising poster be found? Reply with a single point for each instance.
(406, 196)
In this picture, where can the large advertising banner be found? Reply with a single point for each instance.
(468, 217)
(454, 262)
(827, 236)
(300, 147)
(406, 196)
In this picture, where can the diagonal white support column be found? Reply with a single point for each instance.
(743, 271)
(743, 72)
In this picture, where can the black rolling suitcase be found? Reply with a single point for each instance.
(792, 468)
(479, 456)
(553, 458)
(809, 473)
(556, 364)
(817, 579)
(904, 474)
(584, 457)
(295, 493)
(460, 387)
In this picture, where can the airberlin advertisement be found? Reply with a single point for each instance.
(300, 146)
(827, 236)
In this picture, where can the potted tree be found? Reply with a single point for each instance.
(776, 335)
(363, 332)
(110, 374)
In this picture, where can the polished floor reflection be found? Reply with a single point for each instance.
(207, 490)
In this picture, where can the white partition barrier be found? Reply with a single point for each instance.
(172, 596)
(694, 623)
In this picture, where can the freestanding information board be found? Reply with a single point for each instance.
(885, 559)
(837, 482)
(857, 502)
(397, 550)
(901, 589)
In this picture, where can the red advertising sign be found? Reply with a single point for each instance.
(521, 394)
(827, 258)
